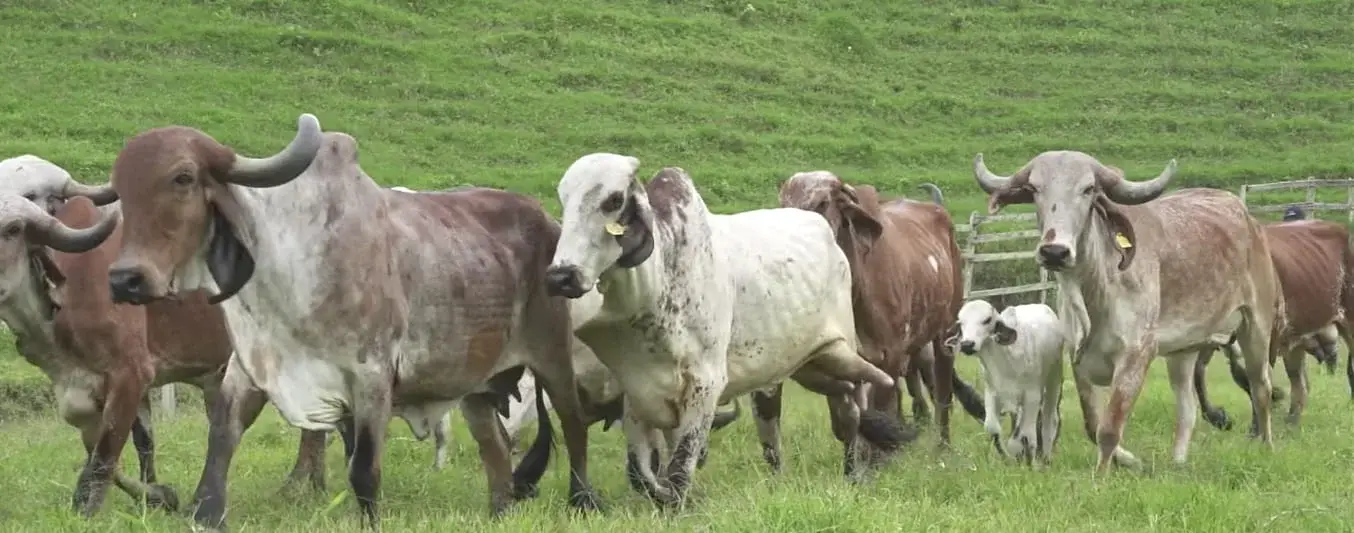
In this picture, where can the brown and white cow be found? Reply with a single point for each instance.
(1315, 265)
(343, 296)
(102, 358)
(906, 286)
(1141, 274)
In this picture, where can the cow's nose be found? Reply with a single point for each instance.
(1054, 255)
(967, 347)
(128, 285)
(563, 281)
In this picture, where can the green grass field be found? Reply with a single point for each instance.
(741, 95)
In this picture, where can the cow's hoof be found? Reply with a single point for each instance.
(1218, 418)
(585, 500)
(162, 497)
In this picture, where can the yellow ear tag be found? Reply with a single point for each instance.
(1122, 240)
(615, 228)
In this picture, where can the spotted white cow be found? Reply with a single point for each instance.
(700, 308)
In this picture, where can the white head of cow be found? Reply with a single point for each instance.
(979, 321)
(25, 229)
(1069, 189)
(606, 224)
(46, 184)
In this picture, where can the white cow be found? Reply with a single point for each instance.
(1022, 372)
(700, 308)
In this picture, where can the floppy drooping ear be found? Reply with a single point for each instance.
(855, 206)
(952, 336)
(228, 260)
(637, 240)
(49, 275)
(1003, 334)
(1118, 224)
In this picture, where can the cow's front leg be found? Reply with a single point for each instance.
(1181, 368)
(143, 438)
(1090, 411)
(1124, 390)
(372, 399)
(1050, 414)
(481, 416)
(690, 436)
(125, 390)
(766, 406)
(642, 457)
(230, 412)
(1026, 438)
(992, 418)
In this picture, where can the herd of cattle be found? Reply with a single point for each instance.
(297, 280)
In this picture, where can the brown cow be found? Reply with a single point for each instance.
(342, 296)
(1315, 266)
(906, 285)
(103, 358)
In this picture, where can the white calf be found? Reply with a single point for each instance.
(1022, 372)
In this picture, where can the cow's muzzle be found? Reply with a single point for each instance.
(968, 347)
(1054, 256)
(564, 280)
(129, 286)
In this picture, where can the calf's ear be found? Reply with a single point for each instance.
(637, 240)
(1003, 334)
(228, 259)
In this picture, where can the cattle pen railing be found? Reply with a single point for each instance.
(1017, 246)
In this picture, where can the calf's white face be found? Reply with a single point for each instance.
(979, 321)
(605, 223)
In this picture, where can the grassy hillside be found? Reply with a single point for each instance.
(741, 94)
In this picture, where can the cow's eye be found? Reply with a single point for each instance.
(1088, 190)
(613, 202)
(183, 180)
(11, 231)
(987, 321)
(30, 196)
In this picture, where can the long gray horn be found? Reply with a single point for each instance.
(283, 166)
(46, 230)
(936, 196)
(99, 194)
(1123, 191)
(990, 182)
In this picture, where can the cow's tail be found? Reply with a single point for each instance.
(936, 196)
(885, 431)
(727, 417)
(969, 398)
(532, 468)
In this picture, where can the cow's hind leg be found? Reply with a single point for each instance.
(481, 415)
(766, 406)
(642, 454)
(558, 382)
(1216, 416)
(309, 462)
(1181, 368)
(440, 432)
(884, 432)
(1295, 364)
(919, 388)
(1257, 352)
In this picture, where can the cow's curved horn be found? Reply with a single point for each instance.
(283, 166)
(1126, 192)
(46, 230)
(989, 182)
(99, 194)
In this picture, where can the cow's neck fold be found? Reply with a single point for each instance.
(28, 313)
(1081, 289)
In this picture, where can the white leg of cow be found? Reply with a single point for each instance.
(642, 457)
(1125, 388)
(1050, 414)
(1026, 437)
(1256, 353)
(1089, 398)
(440, 440)
(690, 436)
(766, 405)
(992, 418)
(1180, 367)
(237, 404)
